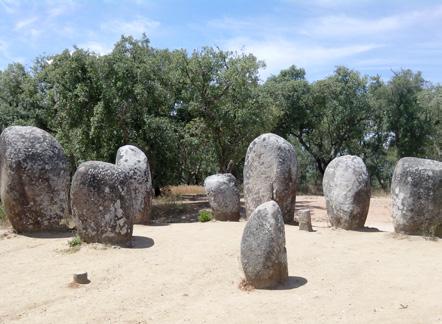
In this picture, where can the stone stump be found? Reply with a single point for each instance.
(416, 192)
(263, 251)
(34, 180)
(224, 197)
(347, 192)
(136, 164)
(305, 220)
(102, 203)
(270, 173)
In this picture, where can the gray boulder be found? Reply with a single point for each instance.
(263, 252)
(270, 172)
(223, 195)
(416, 192)
(102, 204)
(34, 180)
(347, 192)
(135, 162)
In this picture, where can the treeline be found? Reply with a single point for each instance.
(195, 114)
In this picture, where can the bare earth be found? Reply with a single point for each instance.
(190, 272)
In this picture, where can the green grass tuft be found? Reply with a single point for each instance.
(205, 216)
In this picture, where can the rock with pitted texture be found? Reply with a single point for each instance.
(416, 192)
(270, 172)
(263, 252)
(347, 192)
(34, 180)
(136, 163)
(223, 195)
(102, 203)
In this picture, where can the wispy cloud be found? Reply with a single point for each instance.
(344, 25)
(133, 27)
(96, 47)
(281, 53)
(25, 23)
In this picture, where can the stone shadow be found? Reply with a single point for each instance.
(292, 282)
(142, 242)
(48, 235)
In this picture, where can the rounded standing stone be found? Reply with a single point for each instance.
(270, 172)
(224, 197)
(263, 251)
(136, 163)
(347, 192)
(416, 192)
(34, 180)
(101, 202)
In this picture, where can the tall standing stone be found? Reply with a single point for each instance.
(347, 192)
(263, 252)
(136, 163)
(102, 203)
(224, 197)
(270, 172)
(416, 192)
(34, 180)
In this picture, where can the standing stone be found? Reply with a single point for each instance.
(347, 192)
(263, 252)
(305, 220)
(136, 164)
(416, 192)
(34, 180)
(270, 174)
(223, 194)
(102, 204)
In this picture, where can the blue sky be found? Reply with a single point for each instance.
(373, 37)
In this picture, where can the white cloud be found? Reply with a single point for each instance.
(96, 47)
(133, 27)
(343, 25)
(281, 53)
(25, 23)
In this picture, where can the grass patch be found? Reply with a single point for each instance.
(3, 219)
(75, 241)
(205, 216)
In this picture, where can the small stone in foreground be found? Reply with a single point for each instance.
(305, 220)
(81, 278)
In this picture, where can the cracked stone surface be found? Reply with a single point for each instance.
(416, 192)
(136, 164)
(34, 184)
(347, 192)
(101, 202)
(270, 173)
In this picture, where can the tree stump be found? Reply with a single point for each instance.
(81, 278)
(305, 220)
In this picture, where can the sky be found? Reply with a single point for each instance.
(373, 37)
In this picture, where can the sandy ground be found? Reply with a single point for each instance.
(189, 273)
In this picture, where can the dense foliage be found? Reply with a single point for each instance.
(195, 114)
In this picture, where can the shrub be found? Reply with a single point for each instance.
(76, 241)
(204, 216)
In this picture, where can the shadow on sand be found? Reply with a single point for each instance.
(142, 242)
(292, 283)
(49, 235)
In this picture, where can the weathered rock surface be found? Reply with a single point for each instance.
(263, 252)
(34, 180)
(102, 204)
(270, 172)
(224, 197)
(347, 192)
(136, 163)
(416, 192)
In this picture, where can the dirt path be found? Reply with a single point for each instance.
(189, 273)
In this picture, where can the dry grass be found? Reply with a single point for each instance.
(187, 190)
